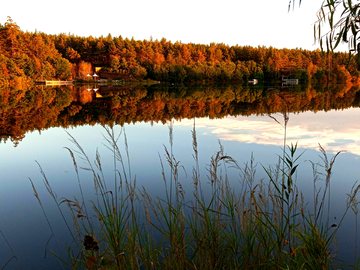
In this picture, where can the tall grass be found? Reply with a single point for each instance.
(13, 257)
(260, 225)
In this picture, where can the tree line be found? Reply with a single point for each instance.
(65, 56)
(178, 62)
(29, 56)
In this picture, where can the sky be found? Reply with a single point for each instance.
(243, 22)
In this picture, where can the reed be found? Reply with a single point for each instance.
(13, 257)
(262, 224)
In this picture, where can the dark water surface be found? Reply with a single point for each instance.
(36, 122)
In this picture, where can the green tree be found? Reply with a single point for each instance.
(62, 68)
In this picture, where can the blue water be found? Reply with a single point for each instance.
(24, 225)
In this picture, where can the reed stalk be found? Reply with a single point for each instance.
(259, 225)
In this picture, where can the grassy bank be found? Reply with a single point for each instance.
(262, 225)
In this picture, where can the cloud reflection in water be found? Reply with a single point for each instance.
(334, 130)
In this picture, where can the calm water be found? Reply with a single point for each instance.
(235, 117)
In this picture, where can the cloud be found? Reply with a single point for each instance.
(334, 130)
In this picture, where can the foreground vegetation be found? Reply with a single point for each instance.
(264, 225)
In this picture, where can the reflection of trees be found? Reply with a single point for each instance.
(41, 108)
(161, 104)
(29, 110)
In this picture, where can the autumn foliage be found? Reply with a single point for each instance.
(178, 62)
(64, 56)
(25, 55)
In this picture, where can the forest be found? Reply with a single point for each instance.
(26, 56)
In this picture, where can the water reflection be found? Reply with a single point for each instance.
(40, 108)
(218, 113)
(335, 131)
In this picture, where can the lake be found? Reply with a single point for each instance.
(246, 120)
